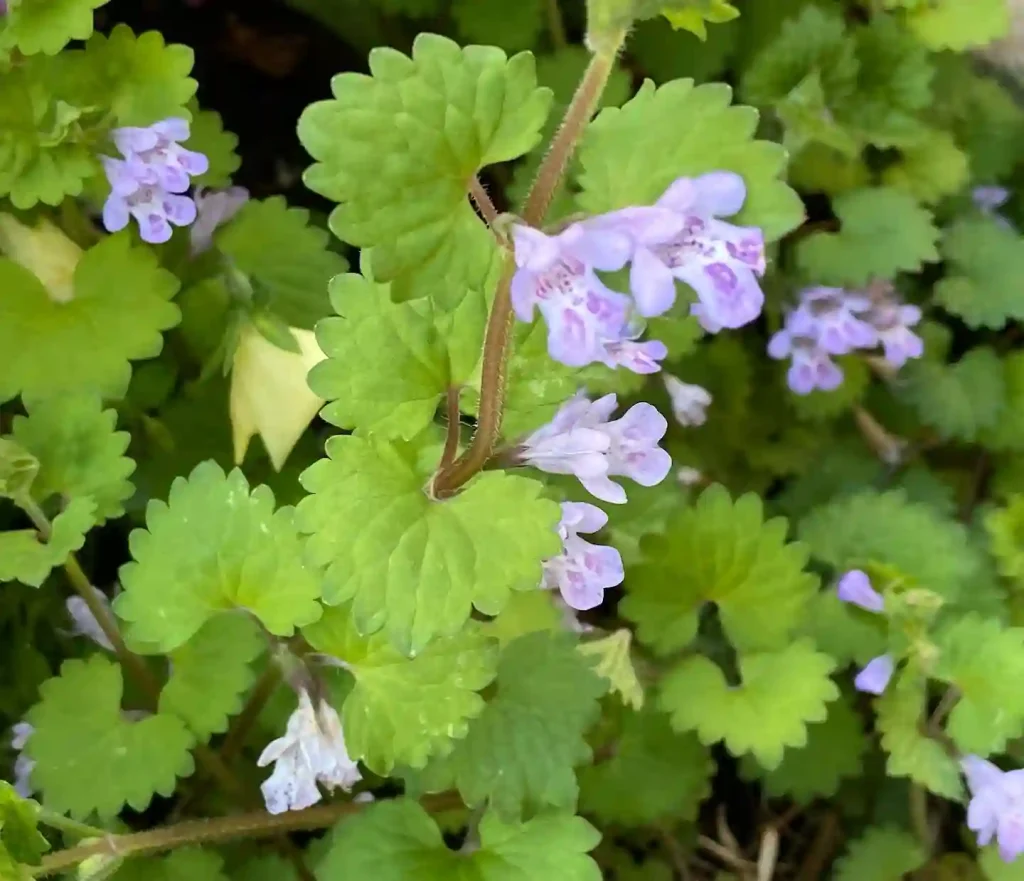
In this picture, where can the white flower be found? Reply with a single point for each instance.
(689, 402)
(311, 751)
(23, 765)
(689, 476)
(85, 623)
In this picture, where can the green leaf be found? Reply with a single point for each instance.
(692, 15)
(1005, 527)
(722, 552)
(47, 26)
(846, 634)
(140, 78)
(41, 159)
(984, 661)
(88, 757)
(80, 453)
(215, 546)
(286, 258)
(949, 24)
(931, 169)
(883, 231)
(912, 754)
(985, 262)
(1008, 431)
(749, 716)
(121, 304)
(386, 366)
(960, 400)
(399, 147)
(209, 137)
(211, 673)
(398, 840)
(631, 154)
(882, 853)
(406, 710)
(412, 565)
(833, 752)
(912, 538)
(521, 750)
(537, 385)
(20, 837)
(524, 613)
(612, 661)
(995, 868)
(24, 558)
(18, 469)
(653, 774)
(510, 26)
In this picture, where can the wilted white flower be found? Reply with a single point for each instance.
(312, 750)
(689, 402)
(85, 623)
(23, 765)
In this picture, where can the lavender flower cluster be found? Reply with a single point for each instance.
(679, 237)
(148, 181)
(833, 321)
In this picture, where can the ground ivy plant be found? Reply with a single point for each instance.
(647, 504)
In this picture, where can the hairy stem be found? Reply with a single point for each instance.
(454, 414)
(482, 201)
(499, 323)
(255, 825)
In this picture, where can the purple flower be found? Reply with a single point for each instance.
(689, 402)
(988, 198)
(892, 322)
(685, 240)
(146, 183)
(155, 156)
(831, 317)
(855, 587)
(996, 808)
(875, 676)
(583, 571)
(587, 322)
(214, 208)
(581, 441)
(811, 367)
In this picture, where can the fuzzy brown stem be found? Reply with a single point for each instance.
(499, 324)
(482, 201)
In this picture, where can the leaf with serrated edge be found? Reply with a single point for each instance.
(211, 673)
(88, 757)
(411, 565)
(46, 25)
(24, 558)
(405, 710)
(215, 545)
(881, 854)
(121, 304)
(723, 552)
(398, 840)
(779, 695)
(398, 148)
(80, 453)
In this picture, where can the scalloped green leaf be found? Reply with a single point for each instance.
(398, 840)
(24, 558)
(723, 552)
(119, 308)
(653, 774)
(46, 26)
(882, 853)
(750, 717)
(211, 673)
(883, 231)
(286, 258)
(403, 711)
(985, 262)
(949, 24)
(208, 136)
(88, 757)
(80, 453)
(399, 147)
(521, 751)
(214, 546)
(414, 566)
(629, 155)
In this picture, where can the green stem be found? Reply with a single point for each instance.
(255, 825)
(499, 324)
(556, 25)
(72, 827)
